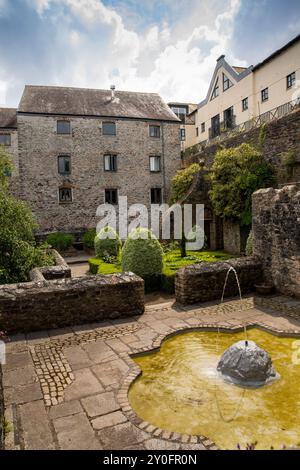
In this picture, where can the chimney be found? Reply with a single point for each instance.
(112, 88)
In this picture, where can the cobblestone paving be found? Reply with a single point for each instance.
(67, 389)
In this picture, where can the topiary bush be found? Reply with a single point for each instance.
(143, 255)
(249, 244)
(107, 244)
(60, 241)
(89, 239)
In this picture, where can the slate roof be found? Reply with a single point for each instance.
(93, 102)
(8, 118)
(277, 52)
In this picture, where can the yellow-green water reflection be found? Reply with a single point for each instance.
(179, 390)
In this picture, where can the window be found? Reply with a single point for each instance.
(63, 127)
(156, 197)
(265, 94)
(65, 195)
(155, 164)
(226, 82)
(215, 92)
(64, 164)
(291, 80)
(110, 162)
(154, 131)
(5, 139)
(244, 104)
(109, 128)
(203, 127)
(180, 111)
(182, 135)
(197, 131)
(111, 196)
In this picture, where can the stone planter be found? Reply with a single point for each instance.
(264, 289)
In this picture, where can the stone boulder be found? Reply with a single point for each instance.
(246, 364)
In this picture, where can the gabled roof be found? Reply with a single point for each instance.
(238, 69)
(8, 118)
(92, 102)
(237, 76)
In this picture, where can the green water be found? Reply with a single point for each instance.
(179, 390)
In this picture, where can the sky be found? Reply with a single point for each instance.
(168, 47)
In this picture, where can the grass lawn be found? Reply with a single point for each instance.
(172, 262)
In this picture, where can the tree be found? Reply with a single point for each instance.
(236, 174)
(18, 252)
(183, 185)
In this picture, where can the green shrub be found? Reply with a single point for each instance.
(94, 264)
(107, 244)
(143, 255)
(89, 239)
(249, 244)
(168, 280)
(60, 241)
(109, 268)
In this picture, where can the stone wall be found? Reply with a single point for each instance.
(276, 236)
(40, 146)
(1, 412)
(204, 282)
(33, 306)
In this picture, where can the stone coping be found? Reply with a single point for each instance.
(135, 372)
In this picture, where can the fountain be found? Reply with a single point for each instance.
(244, 363)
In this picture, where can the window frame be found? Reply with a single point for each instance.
(109, 123)
(197, 131)
(160, 192)
(216, 90)
(159, 159)
(155, 126)
(290, 80)
(62, 188)
(264, 94)
(58, 169)
(59, 121)
(112, 157)
(202, 127)
(245, 100)
(228, 82)
(182, 135)
(109, 190)
(7, 135)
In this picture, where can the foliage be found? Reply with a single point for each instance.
(249, 244)
(182, 181)
(18, 254)
(288, 160)
(6, 168)
(109, 268)
(94, 264)
(236, 174)
(107, 243)
(60, 241)
(262, 134)
(89, 239)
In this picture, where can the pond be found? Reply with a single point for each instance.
(181, 391)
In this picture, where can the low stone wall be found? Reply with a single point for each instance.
(43, 304)
(60, 271)
(276, 236)
(1, 412)
(204, 281)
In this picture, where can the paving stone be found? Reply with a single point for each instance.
(160, 444)
(21, 376)
(101, 404)
(111, 372)
(77, 357)
(35, 426)
(121, 436)
(117, 345)
(127, 339)
(65, 409)
(23, 393)
(17, 360)
(85, 384)
(99, 352)
(111, 419)
(75, 433)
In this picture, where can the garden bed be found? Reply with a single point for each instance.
(172, 262)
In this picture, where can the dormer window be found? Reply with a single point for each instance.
(109, 128)
(226, 82)
(215, 92)
(63, 127)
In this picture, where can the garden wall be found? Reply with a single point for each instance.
(43, 304)
(204, 281)
(276, 236)
(1, 412)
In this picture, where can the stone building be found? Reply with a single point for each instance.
(75, 149)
